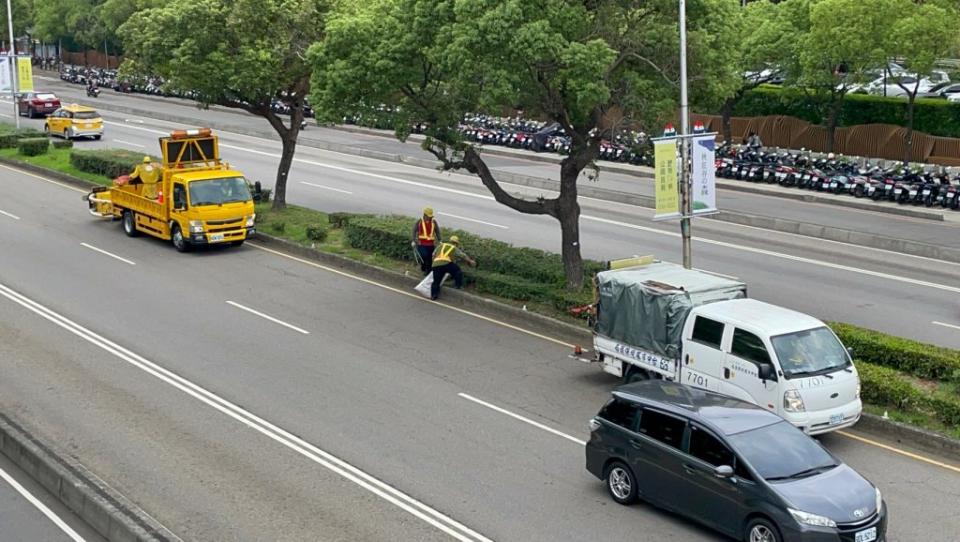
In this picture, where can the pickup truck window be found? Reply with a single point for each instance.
(707, 331)
(621, 413)
(748, 346)
(179, 196)
(666, 429)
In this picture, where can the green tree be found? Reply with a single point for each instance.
(22, 18)
(592, 66)
(235, 53)
(919, 35)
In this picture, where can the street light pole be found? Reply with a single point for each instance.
(686, 207)
(11, 53)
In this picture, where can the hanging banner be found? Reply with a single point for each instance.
(667, 192)
(703, 174)
(5, 84)
(24, 74)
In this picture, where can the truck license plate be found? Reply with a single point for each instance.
(868, 535)
(836, 418)
(216, 237)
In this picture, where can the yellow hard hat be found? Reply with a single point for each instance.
(428, 212)
(146, 159)
(454, 239)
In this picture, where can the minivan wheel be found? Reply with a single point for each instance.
(761, 530)
(621, 484)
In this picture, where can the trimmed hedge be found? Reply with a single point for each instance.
(317, 232)
(110, 163)
(931, 116)
(912, 357)
(886, 386)
(33, 146)
(62, 143)
(9, 139)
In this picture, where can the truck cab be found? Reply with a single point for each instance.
(785, 361)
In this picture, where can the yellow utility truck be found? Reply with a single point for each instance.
(191, 199)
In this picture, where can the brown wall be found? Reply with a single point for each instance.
(94, 59)
(871, 140)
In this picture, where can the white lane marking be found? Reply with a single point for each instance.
(13, 216)
(522, 419)
(946, 325)
(101, 251)
(268, 317)
(326, 187)
(475, 220)
(42, 507)
(323, 458)
(801, 259)
(126, 125)
(123, 142)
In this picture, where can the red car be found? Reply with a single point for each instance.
(38, 104)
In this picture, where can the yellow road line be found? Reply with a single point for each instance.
(44, 179)
(414, 296)
(901, 452)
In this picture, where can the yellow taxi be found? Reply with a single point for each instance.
(74, 120)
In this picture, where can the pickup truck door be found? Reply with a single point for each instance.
(741, 367)
(702, 363)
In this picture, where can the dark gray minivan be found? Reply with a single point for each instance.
(731, 465)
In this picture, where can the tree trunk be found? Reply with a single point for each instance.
(908, 150)
(834, 113)
(568, 213)
(289, 141)
(727, 111)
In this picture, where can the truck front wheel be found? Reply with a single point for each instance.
(130, 223)
(635, 374)
(179, 242)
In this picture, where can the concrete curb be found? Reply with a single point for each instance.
(512, 315)
(111, 514)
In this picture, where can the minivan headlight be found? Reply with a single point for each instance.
(196, 226)
(250, 220)
(792, 402)
(813, 520)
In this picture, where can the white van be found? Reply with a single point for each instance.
(663, 321)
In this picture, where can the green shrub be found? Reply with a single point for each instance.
(278, 226)
(9, 139)
(265, 194)
(62, 143)
(33, 146)
(317, 232)
(110, 163)
(340, 220)
(884, 386)
(912, 357)
(931, 116)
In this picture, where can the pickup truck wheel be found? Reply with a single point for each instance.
(621, 483)
(635, 375)
(179, 243)
(130, 223)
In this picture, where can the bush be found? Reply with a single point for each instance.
(931, 116)
(912, 357)
(340, 220)
(317, 232)
(62, 143)
(886, 386)
(33, 146)
(10, 139)
(265, 194)
(110, 163)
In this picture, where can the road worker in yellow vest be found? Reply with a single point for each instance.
(147, 173)
(426, 236)
(445, 260)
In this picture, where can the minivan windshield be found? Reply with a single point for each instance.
(219, 191)
(811, 352)
(781, 452)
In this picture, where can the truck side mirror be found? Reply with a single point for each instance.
(765, 371)
(850, 352)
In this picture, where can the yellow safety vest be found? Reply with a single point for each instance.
(445, 254)
(425, 234)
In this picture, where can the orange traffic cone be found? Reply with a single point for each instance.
(160, 196)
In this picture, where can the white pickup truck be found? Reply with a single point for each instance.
(663, 321)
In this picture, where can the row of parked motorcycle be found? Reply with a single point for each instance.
(895, 182)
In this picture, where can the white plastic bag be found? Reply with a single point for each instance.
(424, 287)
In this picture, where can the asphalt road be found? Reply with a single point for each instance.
(900, 294)
(29, 513)
(351, 416)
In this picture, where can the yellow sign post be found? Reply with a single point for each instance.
(24, 74)
(667, 189)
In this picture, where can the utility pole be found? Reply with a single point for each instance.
(12, 57)
(686, 198)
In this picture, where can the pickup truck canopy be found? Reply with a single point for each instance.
(646, 306)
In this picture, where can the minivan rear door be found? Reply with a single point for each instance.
(657, 459)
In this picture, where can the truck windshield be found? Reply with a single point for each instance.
(812, 352)
(219, 191)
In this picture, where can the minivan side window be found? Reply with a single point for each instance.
(707, 331)
(666, 429)
(748, 346)
(620, 412)
(707, 448)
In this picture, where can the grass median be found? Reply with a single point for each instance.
(910, 381)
